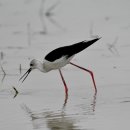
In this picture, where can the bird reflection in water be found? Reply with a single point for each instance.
(58, 120)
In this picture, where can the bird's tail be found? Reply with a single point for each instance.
(80, 46)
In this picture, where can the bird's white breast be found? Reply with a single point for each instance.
(57, 64)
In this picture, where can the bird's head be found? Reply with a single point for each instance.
(33, 65)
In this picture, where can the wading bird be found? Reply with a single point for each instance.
(60, 57)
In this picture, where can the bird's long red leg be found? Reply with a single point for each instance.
(89, 71)
(66, 88)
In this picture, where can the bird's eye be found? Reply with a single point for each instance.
(31, 64)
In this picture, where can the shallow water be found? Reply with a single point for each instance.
(41, 102)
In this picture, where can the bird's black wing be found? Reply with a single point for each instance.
(68, 51)
(58, 53)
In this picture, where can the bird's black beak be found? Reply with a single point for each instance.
(26, 74)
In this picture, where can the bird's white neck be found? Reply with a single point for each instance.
(40, 66)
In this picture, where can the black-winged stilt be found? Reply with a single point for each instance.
(60, 57)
